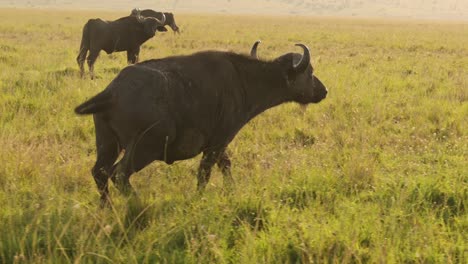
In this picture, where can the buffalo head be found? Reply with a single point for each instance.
(169, 18)
(151, 24)
(171, 22)
(305, 86)
(302, 79)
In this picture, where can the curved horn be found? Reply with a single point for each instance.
(139, 17)
(253, 51)
(159, 21)
(163, 19)
(305, 60)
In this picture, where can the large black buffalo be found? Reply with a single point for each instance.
(177, 107)
(170, 20)
(123, 34)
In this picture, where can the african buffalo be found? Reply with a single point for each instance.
(123, 34)
(177, 107)
(170, 21)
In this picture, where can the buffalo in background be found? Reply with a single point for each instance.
(124, 34)
(177, 107)
(169, 21)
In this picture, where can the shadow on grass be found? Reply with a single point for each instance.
(75, 72)
(113, 70)
(138, 214)
(67, 72)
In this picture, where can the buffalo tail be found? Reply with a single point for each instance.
(97, 104)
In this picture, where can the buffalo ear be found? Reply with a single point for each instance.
(161, 28)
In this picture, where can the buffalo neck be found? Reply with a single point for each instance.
(265, 85)
(128, 36)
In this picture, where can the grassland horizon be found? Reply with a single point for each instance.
(374, 173)
(403, 9)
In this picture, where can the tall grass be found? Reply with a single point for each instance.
(375, 173)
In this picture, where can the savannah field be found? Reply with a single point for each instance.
(376, 173)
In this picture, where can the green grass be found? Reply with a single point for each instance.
(377, 172)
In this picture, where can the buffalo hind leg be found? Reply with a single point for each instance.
(107, 152)
(122, 171)
(101, 172)
(92, 57)
(224, 164)
(140, 152)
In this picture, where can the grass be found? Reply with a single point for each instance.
(375, 173)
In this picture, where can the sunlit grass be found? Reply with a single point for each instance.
(375, 173)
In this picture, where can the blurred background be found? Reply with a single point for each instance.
(419, 9)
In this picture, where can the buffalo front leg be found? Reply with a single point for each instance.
(132, 55)
(224, 164)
